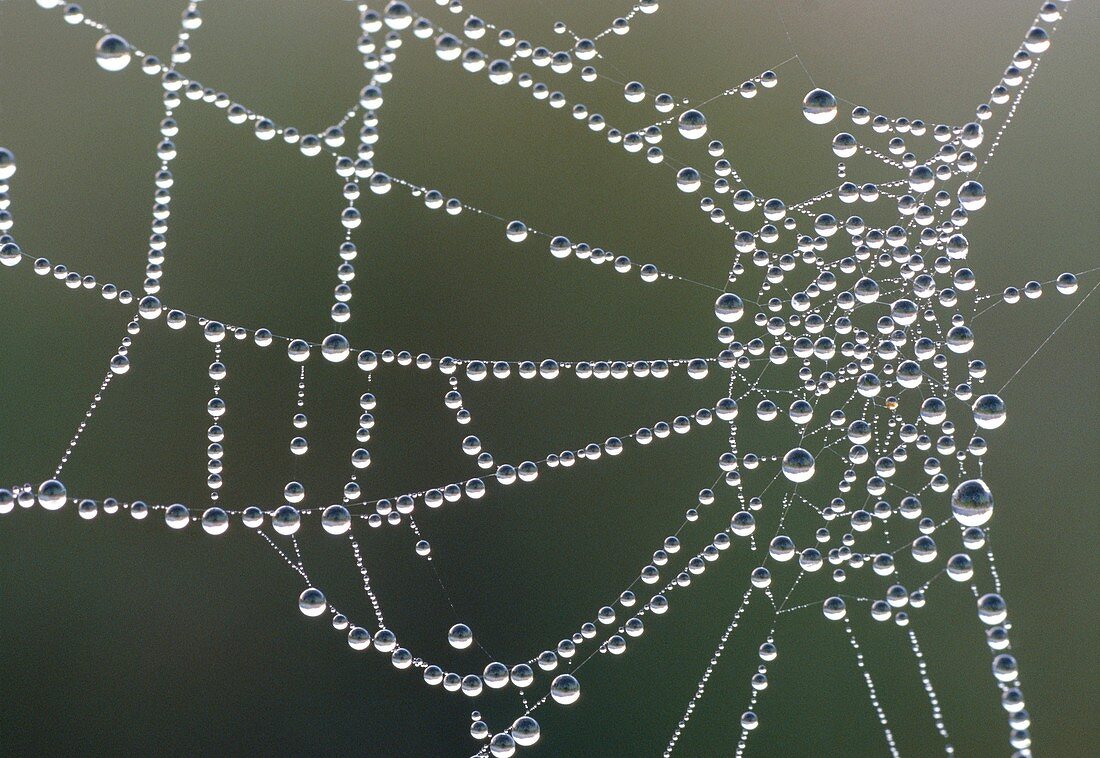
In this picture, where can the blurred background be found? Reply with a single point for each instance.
(125, 637)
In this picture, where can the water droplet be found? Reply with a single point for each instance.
(819, 106)
(729, 307)
(52, 494)
(177, 516)
(460, 636)
(692, 124)
(565, 689)
(312, 602)
(972, 503)
(798, 465)
(112, 53)
(7, 164)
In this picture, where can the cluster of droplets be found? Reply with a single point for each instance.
(856, 382)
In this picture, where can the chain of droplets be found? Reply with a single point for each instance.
(862, 664)
(1013, 76)
(702, 686)
(757, 684)
(366, 581)
(178, 56)
(295, 565)
(215, 450)
(930, 690)
(83, 423)
(120, 363)
(360, 457)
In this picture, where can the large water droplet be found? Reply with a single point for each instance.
(112, 53)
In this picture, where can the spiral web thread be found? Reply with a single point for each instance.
(901, 380)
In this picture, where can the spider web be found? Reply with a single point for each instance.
(849, 329)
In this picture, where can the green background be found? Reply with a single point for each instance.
(122, 637)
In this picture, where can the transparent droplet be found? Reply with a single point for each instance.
(972, 503)
(177, 516)
(971, 195)
(286, 519)
(312, 602)
(992, 609)
(112, 53)
(565, 689)
(989, 411)
(728, 307)
(52, 494)
(692, 124)
(336, 519)
(833, 608)
(335, 348)
(460, 636)
(525, 731)
(798, 465)
(819, 106)
(215, 521)
(7, 164)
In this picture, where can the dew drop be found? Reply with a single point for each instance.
(112, 53)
